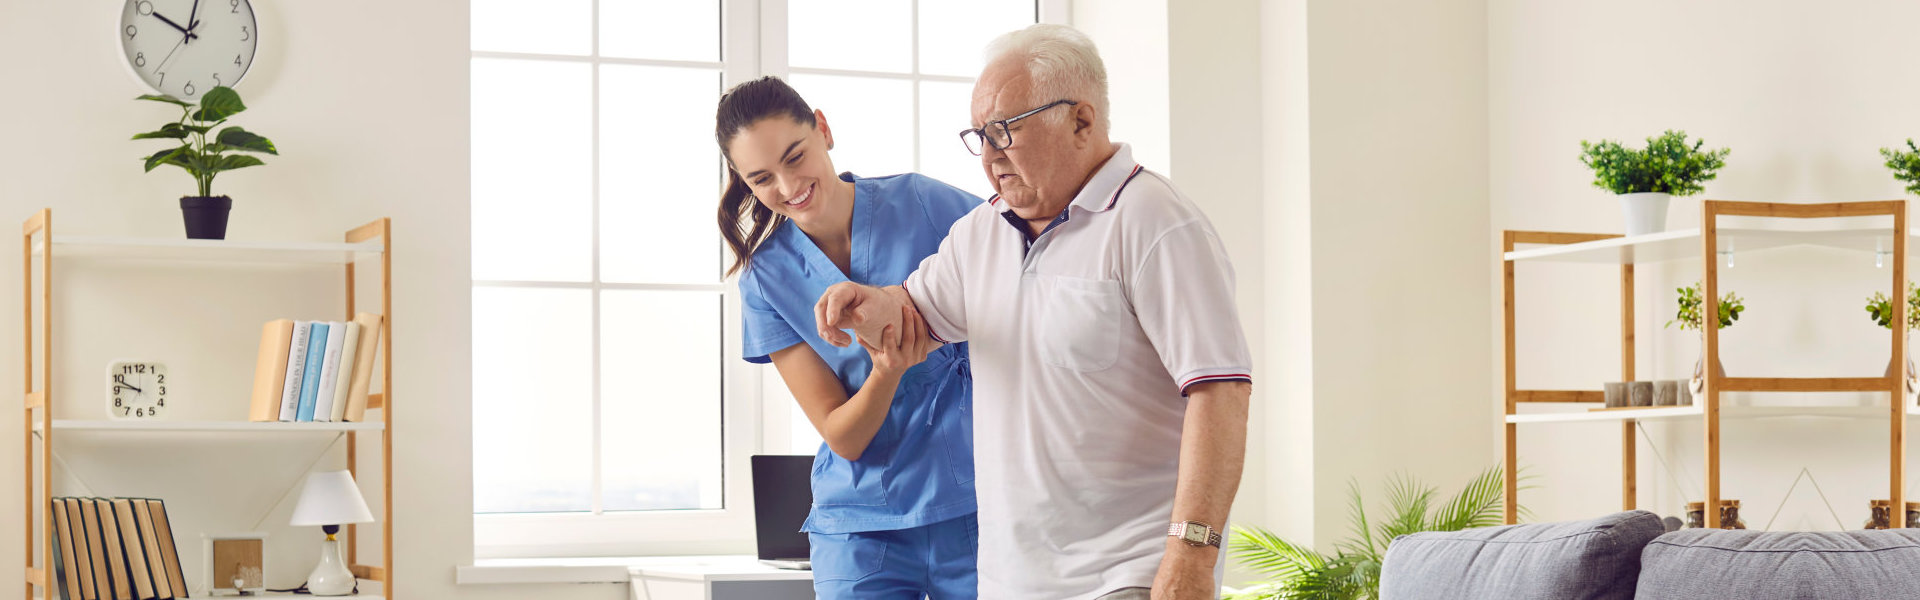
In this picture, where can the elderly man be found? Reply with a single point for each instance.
(1110, 369)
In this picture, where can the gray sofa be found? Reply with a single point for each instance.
(1626, 556)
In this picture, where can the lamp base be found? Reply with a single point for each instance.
(330, 577)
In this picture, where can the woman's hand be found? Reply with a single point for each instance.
(901, 347)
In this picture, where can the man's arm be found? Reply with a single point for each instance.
(869, 311)
(1213, 450)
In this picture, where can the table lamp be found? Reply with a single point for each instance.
(329, 500)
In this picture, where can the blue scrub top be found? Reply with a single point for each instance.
(918, 469)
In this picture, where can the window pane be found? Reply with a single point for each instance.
(871, 119)
(943, 113)
(660, 30)
(859, 35)
(532, 400)
(954, 35)
(545, 27)
(802, 437)
(660, 399)
(532, 170)
(659, 175)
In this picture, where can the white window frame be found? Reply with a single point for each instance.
(753, 44)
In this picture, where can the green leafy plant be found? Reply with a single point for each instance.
(1881, 307)
(1667, 165)
(200, 157)
(1296, 571)
(1690, 317)
(1905, 164)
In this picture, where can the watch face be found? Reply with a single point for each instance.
(182, 48)
(1195, 533)
(136, 390)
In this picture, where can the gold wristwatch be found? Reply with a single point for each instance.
(1194, 533)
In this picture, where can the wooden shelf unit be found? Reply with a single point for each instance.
(1706, 244)
(38, 241)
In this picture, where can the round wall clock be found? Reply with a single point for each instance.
(182, 48)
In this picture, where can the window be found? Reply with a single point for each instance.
(611, 412)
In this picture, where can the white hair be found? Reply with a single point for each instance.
(1061, 61)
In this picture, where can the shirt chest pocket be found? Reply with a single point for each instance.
(1081, 321)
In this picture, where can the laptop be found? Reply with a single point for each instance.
(782, 496)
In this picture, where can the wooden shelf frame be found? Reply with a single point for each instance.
(375, 237)
(1710, 409)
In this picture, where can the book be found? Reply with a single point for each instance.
(150, 544)
(66, 575)
(136, 554)
(82, 564)
(343, 387)
(270, 370)
(370, 331)
(296, 366)
(329, 372)
(115, 550)
(169, 549)
(97, 571)
(310, 384)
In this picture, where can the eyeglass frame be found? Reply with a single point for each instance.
(1003, 125)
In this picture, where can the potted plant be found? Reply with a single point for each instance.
(205, 214)
(1646, 180)
(1905, 164)
(1353, 572)
(1690, 316)
(1881, 308)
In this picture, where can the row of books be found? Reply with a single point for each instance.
(115, 549)
(315, 370)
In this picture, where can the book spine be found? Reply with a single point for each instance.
(296, 368)
(270, 370)
(316, 356)
(329, 372)
(343, 385)
(371, 326)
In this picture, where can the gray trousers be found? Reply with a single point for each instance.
(1135, 593)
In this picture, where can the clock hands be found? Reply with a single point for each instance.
(193, 18)
(183, 30)
(163, 62)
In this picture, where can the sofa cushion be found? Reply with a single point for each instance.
(1582, 560)
(1753, 565)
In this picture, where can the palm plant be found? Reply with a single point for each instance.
(1298, 572)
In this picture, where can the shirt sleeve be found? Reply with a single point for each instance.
(1183, 295)
(762, 330)
(936, 291)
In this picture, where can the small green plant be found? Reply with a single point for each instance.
(201, 158)
(1667, 165)
(1905, 164)
(1353, 571)
(1690, 317)
(1881, 307)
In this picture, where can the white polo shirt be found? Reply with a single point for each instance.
(1081, 348)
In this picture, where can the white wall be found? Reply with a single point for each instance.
(368, 102)
(1804, 95)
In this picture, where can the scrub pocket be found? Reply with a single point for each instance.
(956, 434)
(846, 556)
(840, 482)
(1081, 327)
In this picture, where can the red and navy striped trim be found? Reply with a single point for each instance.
(994, 200)
(1184, 386)
(1123, 187)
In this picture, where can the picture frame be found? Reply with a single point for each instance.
(235, 554)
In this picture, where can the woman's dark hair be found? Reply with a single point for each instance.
(741, 106)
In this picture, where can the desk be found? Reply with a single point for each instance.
(720, 578)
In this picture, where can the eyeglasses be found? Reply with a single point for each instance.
(997, 134)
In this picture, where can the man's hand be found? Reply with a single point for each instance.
(1186, 572)
(867, 310)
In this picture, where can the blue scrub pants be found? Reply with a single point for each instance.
(931, 561)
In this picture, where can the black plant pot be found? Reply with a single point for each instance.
(205, 216)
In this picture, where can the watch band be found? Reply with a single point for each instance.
(1179, 530)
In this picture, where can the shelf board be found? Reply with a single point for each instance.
(37, 596)
(1662, 413)
(1684, 244)
(209, 426)
(128, 248)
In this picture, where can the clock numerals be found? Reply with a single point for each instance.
(236, 60)
(245, 35)
(188, 89)
(216, 80)
(132, 32)
(146, 8)
(163, 378)
(139, 59)
(236, 6)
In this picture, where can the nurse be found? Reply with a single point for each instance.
(893, 498)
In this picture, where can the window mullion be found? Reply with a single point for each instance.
(599, 502)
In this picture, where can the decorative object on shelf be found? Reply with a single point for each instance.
(236, 564)
(1616, 394)
(183, 54)
(1645, 180)
(1642, 392)
(1353, 571)
(206, 214)
(1905, 165)
(1666, 392)
(329, 500)
(1683, 393)
(1729, 515)
(1882, 520)
(1691, 316)
(1881, 307)
(137, 389)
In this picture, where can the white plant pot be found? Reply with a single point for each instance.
(1646, 212)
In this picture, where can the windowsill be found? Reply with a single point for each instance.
(612, 569)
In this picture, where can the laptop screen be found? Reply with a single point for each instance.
(782, 495)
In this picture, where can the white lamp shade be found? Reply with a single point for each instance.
(331, 498)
